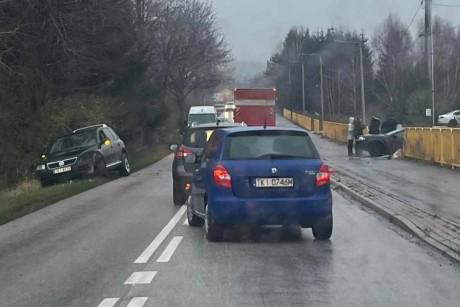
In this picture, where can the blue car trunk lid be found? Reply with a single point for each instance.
(246, 173)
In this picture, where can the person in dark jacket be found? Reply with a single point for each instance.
(350, 135)
(357, 132)
(374, 126)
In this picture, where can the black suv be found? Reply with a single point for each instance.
(86, 152)
(193, 141)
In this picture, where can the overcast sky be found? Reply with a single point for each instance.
(254, 28)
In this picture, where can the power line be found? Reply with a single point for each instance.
(446, 5)
(415, 15)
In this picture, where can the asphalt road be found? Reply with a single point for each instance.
(425, 185)
(124, 244)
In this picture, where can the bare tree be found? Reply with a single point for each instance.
(190, 52)
(393, 46)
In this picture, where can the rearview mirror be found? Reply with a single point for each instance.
(173, 147)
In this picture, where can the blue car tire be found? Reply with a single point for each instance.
(214, 230)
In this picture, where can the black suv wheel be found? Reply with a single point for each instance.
(179, 195)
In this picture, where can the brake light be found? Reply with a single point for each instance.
(221, 177)
(323, 176)
(181, 153)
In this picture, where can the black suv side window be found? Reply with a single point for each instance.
(113, 133)
(102, 135)
(108, 134)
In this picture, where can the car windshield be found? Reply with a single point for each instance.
(74, 141)
(202, 118)
(269, 146)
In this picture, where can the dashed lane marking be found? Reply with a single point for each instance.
(109, 302)
(141, 278)
(137, 301)
(148, 252)
(170, 249)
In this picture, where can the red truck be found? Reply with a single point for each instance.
(255, 107)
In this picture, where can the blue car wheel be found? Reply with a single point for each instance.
(322, 228)
(214, 230)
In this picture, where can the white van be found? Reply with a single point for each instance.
(201, 115)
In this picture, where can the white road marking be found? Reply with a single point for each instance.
(137, 301)
(185, 222)
(109, 302)
(170, 249)
(148, 252)
(141, 278)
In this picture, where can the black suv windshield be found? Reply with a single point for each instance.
(197, 137)
(74, 141)
(270, 145)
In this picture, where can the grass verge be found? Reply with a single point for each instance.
(29, 196)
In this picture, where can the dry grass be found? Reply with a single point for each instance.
(29, 196)
(27, 186)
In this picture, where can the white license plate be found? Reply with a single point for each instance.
(274, 182)
(62, 170)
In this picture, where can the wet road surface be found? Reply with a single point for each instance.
(125, 244)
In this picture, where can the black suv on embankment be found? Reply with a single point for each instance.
(86, 152)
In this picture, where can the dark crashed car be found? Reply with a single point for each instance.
(193, 141)
(84, 153)
(382, 144)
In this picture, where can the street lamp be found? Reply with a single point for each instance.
(363, 102)
(303, 84)
(321, 86)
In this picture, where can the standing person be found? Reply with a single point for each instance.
(351, 135)
(358, 131)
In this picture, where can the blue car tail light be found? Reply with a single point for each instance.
(221, 177)
(323, 176)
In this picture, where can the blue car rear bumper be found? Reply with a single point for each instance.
(230, 210)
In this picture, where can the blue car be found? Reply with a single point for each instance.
(259, 176)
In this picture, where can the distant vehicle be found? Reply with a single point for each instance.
(451, 119)
(201, 115)
(230, 106)
(257, 176)
(88, 151)
(255, 107)
(193, 141)
(220, 108)
(382, 144)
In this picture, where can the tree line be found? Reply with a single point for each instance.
(396, 81)
(134, 64)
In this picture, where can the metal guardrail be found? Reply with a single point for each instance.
(439, 145)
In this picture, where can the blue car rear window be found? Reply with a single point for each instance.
(270, 145)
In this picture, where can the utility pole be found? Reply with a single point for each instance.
(321, 88)
(363, 102)
(321, 84)
(303, 89)
(429, 50)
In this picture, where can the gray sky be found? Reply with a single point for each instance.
(254, 28)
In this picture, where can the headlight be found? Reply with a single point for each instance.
(361, 138)
(41, 167)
